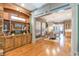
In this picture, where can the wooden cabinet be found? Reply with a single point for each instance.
(24, 40)
(6, 16)
(1, 14)
(1, 6)
(9, 43)
(29, 38)
(1, 20)
(8, 26)
(18, 41)
(21, 40)
(1, 42)
(14, 7)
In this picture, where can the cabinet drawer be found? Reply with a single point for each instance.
(9, 43)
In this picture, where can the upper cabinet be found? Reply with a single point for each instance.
(1, 6)
(6, 16)
(12, 16)
(13, 9)
(17, 8)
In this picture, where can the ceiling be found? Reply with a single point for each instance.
(60, 16)
(31, 6)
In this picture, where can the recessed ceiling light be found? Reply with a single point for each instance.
(17, 18)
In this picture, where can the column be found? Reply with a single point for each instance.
(33, 28)
(75, 30)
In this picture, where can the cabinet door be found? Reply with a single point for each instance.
(6, 16)
(26, 39)
(1, 42)
(17, 41)
(29, 38)
(9, 43)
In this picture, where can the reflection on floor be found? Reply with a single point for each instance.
(41, 48)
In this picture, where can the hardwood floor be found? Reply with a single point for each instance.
(41, 48)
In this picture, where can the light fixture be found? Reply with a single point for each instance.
(14, 18)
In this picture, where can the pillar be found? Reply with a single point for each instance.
(33, 28)
(75, 30)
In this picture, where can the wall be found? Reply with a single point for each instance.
(74, 37)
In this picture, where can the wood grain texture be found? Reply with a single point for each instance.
(8, 43)
(41, 48)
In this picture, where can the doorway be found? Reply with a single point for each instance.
(58, 27)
